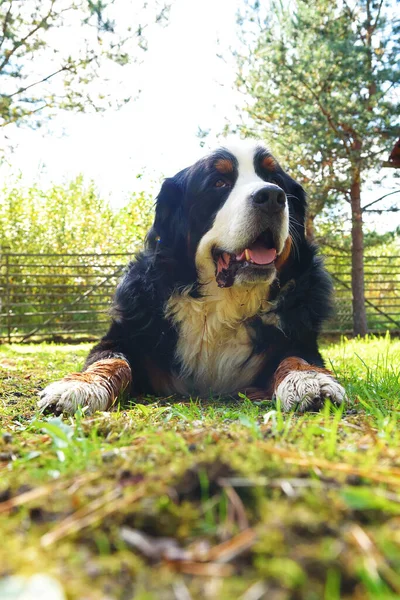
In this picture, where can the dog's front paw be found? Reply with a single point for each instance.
(308, 390)
(66, 395)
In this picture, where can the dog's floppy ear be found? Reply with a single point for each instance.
(168, 218)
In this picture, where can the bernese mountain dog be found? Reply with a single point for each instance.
(227, 296)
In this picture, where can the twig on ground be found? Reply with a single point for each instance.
(45, 490)
(91, 514)
(236, 502)
(202, 569)
(230, 549)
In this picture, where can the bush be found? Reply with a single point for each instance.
(70, 218)
(43, 294)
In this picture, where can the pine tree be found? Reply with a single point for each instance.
(322, 77)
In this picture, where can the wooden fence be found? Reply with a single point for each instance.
(382, 293)
(66, 297)
(57, 296)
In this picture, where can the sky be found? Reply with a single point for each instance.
(184, 86)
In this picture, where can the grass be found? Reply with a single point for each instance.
(213, 499)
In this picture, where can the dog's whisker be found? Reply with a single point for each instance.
(295, 240)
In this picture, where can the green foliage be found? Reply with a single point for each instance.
(42, 70)
(48, 294)
(322, 77)
(70, 218)
(333, 234)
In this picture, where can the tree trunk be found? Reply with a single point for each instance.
(357, 258)
(310, 231)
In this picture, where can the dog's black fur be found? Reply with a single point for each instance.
(185, 210)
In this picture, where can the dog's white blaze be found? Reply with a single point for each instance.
(302, 387)
(214, 342)
(214, 345)
(235, 221)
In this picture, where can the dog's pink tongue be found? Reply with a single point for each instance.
(259, 254)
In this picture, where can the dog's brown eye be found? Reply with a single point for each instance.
(221, 183)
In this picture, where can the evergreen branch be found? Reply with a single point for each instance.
(377, 16)
(364, 208)
(346, 193)
(352, 18)
(323, 241)
(324, 111)
(383, 210)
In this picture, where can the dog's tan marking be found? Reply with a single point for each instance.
(294, 363)
(269, 163)
(97, 388)
(214, 344)
(162, 382)
(113, 373)
(224, 166)
(284, 255)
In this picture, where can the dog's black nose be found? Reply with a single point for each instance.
(270, 198)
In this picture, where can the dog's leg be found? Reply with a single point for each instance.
(300, 384)
(96, 388)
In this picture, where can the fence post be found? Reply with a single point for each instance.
(8, 296)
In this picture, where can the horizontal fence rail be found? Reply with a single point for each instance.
(382, 293)
(57, 296)
(65, 297)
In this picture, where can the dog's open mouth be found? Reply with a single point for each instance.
(260, 255)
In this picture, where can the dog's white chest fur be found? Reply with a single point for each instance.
(214, 347)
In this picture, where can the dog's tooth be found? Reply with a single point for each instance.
(247, 254)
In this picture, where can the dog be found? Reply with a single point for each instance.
(227, 296)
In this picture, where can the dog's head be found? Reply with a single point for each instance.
(233, 216)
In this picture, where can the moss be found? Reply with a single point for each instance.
(319, 491)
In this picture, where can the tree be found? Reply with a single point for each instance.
(322, 76)
(56, 54)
